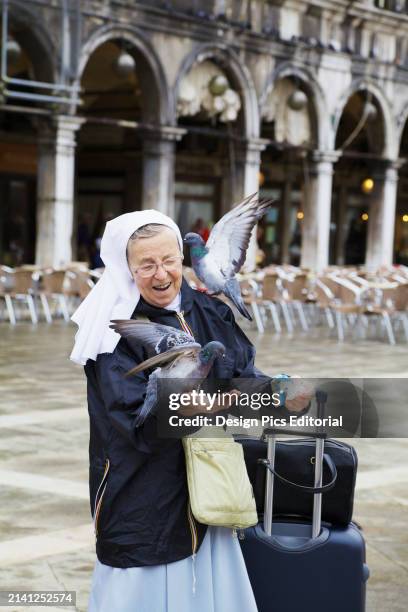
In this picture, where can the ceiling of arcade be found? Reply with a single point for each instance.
(16, 126)
(109, 90)
(361, 127)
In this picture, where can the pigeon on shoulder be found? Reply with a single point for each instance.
(177, 356)
(217, 261)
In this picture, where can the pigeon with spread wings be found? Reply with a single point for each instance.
(177, 356)
(217, 261)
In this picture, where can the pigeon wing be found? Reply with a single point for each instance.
(229, 238)
(166, 358)
(150, 399)
(156, 337)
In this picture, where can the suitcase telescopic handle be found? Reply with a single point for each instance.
(321, 399)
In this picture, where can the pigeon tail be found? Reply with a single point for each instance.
(232, 291)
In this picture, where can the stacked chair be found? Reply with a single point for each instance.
(352, 303)
(31, 292)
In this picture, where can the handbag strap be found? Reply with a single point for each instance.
(306, 489)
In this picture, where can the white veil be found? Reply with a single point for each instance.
(115, 295)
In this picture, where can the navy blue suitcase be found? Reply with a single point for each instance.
(296, 566)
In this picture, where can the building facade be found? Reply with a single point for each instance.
(108, 106)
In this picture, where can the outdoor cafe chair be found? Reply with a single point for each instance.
(6, 284)
(18, 286)
(295, 293)
(52, 288)
(252, 297)
(274, 294)
(78, 284)
(352, 303)
(395, 299)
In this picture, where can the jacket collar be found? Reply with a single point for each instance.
(187, 301)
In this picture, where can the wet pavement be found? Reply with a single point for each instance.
(46, 536)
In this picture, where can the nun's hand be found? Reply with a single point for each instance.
(299, 394)
(298, 403)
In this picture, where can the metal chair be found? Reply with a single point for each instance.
(78, 285)
(19, 286)
(6, 284)
(250, 292)
(52, 287)
(273, 294)
(355, 303)
(296, 291)
(395, 299)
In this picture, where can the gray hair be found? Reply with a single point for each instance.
(146, 231)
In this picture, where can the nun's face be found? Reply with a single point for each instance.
(156, 267)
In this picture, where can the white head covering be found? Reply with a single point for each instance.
(115, 295)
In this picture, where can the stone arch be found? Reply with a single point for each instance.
(390, 145)
(238, 73)
(401, 124)
(149, 68)
(32, 36)
(313, 89)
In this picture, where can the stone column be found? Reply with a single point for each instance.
(55, 190)
(381, 217)
(158, 169)
(247, 182)
(285, 225)
(317, 210)
(340, 238)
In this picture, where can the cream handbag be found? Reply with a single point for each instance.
(220, 491)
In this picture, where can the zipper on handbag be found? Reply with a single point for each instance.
(194, 541)
(98, 502)
(193, 529)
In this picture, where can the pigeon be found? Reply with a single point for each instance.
(177, 356)
(217, 261)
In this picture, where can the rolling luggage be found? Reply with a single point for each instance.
(294, 565)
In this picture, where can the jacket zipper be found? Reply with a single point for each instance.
(193, 529)
(183, 323)
(98, 502)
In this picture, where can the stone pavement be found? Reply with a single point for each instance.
(46, 537)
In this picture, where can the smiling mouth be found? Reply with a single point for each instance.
(162, 287)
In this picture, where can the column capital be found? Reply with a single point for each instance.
(249, 151)
(166, 133)
(59, 130)
(67, 122)
(255, 144)
(388, 169)
(328, 157)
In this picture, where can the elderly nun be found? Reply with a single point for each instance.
(149, 546)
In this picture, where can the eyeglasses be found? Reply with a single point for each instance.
(169, 265)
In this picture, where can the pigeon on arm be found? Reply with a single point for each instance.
(217, 261)
(178, 356)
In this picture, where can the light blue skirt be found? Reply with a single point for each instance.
(216, 581)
